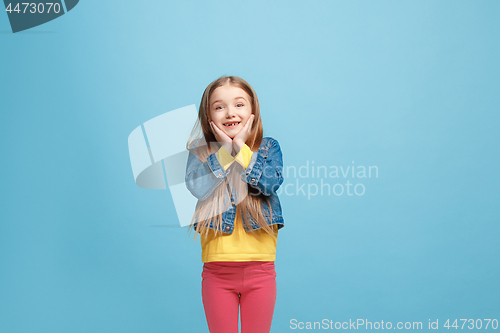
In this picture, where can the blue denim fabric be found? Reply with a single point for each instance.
(264, 174)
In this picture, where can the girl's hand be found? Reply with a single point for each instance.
(222, 138)
(241, 138)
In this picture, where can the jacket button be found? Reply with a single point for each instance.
(253, 180)
(228, 228)
(265, 157)
(220, 174)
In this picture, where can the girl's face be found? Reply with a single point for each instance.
(229, 109)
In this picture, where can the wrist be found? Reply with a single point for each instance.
(228, 146)
(237, 145)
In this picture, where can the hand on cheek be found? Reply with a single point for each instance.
(222, 137)
(241, 138)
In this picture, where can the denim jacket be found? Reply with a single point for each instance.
(264, 174)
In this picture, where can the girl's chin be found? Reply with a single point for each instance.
(230, 133)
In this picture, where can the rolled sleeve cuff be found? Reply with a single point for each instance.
(225, 158)
(244, 156)
(215, 166)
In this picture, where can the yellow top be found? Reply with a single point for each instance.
(256, 245)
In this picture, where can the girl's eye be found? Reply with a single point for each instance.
(239, 104)
(218, 107)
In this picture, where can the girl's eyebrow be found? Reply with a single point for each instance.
(219, 100)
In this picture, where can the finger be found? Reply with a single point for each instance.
(215, 131)
(218, 129)
(248, 125)
(247, 122)
(222, 136)
(251, 122)
(215, 127)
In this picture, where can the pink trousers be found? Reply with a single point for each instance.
(228, 286)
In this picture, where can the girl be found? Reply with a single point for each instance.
(234, 172)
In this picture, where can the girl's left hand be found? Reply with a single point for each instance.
(241, 138)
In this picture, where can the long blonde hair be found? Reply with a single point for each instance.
(211, 209)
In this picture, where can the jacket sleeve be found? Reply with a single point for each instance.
(265, 172)
(202, 178)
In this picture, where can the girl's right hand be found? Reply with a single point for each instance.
(222, 138)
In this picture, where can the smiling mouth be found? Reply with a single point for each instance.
(232, 124)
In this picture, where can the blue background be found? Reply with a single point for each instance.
(408, 86)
